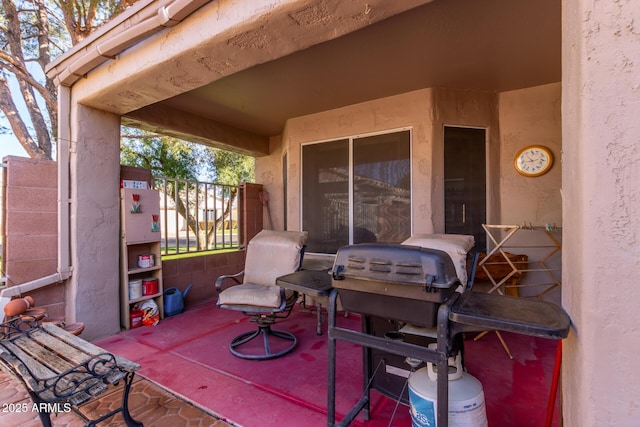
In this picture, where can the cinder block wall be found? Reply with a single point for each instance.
(29, 228)
(201, 272)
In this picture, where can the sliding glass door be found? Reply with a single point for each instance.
(357, 190)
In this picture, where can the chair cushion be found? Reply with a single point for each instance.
(271, 254)
(455, 245)
(252, 295)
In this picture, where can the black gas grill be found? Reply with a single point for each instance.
(399, 282)
(417, 286)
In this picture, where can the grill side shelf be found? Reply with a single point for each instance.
(519, 315)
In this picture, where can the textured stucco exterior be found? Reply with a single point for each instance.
(241, 33)
(530, 117)
(601, 208)
(92, 293)
(403, 111)
(167, 63)
(425, 112)
(597, 165)
(466, 108)
(512, 120)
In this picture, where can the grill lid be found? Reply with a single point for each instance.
(394, 263)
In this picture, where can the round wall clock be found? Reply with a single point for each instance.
(534, 160)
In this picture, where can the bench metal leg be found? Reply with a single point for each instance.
(45, 417)
(128, 419)
(125, 403)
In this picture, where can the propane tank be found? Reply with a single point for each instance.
(466, 397)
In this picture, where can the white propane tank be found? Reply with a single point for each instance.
(466, 397)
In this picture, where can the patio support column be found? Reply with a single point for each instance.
(601, 228)
(92, 293)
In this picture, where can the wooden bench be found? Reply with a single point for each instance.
(61, 371)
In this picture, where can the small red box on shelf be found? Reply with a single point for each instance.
(150, 286)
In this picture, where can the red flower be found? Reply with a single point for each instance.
(136, 197)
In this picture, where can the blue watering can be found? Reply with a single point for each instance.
(174, 301)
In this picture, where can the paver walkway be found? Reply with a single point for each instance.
(149, 403)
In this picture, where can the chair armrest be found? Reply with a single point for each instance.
(233, 277)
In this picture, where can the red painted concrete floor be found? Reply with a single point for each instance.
(189, 355)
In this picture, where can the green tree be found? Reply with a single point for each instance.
(228, 167)
(164, 156)
(32, 34)
(185, 163)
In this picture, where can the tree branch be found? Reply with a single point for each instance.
(17, 125)
(23, 74)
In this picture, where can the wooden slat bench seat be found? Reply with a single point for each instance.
(60, 370)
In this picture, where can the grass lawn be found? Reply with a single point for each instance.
(173, 255)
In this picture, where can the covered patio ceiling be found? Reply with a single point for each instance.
(489, 45)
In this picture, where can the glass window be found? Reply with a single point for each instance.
(381, 188)
(325, 195)
(363, 199)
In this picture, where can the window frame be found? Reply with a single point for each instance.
(351, 139)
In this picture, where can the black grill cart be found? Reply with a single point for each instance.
(418, 286)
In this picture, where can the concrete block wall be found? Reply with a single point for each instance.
(29, 227)
(201, 272)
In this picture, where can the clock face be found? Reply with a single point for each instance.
(534, 160)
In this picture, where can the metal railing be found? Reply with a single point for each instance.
(197, 216)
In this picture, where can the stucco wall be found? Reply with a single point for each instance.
(269, 173)
(92, 293)
(601, 179)
(530, 116)
(466, 108)
(527, 117)
(512, 120)
(407, 110)
(425, 112)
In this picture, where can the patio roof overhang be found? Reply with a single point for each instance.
(236, 82)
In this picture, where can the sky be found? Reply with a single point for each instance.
(9, 146)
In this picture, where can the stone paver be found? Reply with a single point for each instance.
(148, 402)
